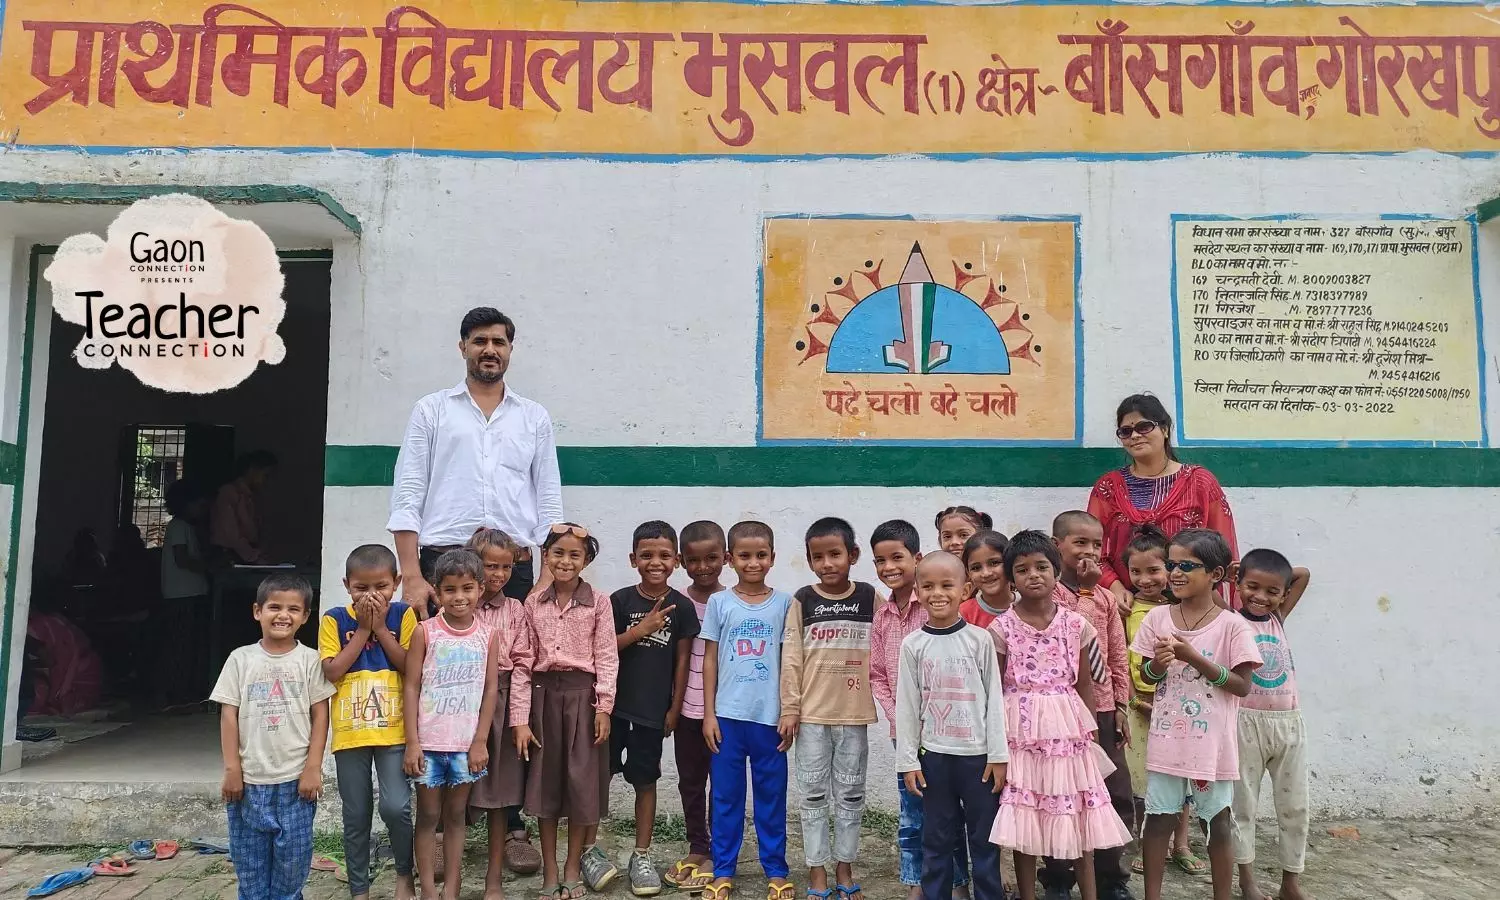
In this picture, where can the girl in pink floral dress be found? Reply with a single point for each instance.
(1055, 803)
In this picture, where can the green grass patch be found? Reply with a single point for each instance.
(881, 822)
(668, 827)
(328, 843)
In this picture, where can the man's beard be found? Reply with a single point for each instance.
(479, 373)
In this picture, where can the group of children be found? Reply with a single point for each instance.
(1000, 667)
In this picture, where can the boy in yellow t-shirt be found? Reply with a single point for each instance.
(363, 648)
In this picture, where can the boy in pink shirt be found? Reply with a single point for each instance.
(1200, 656)
(1271, 735)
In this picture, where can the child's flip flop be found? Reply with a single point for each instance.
(142, 849)
(207, 847)
(60, 881)
(325, 864)
(112, 867)
(166, 849)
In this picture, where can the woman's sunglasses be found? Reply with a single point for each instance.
(1186, 566)
(1145, 426)
(577, 531)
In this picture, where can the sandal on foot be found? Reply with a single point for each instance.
(549, 893)
(701, 878)
(60, 881)
(784, 891)
(1138, 865)
(1188, 862)
(680, 871)
(571, 890)
(850, 892)
(820, 895)
(719, 891)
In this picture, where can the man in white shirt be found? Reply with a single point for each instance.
(476, 454)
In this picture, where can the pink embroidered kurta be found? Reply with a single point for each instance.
(576, 636)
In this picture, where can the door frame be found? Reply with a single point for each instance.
(20, 461)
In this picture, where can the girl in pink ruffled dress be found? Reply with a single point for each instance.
(1055, 803)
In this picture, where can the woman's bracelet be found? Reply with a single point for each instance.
(1150, 673)
(1223, 677)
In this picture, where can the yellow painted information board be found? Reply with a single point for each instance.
(671, 79)
(896, 330)
(1300, 331)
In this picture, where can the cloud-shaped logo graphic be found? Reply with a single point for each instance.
(183, 296)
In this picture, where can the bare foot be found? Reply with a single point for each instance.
(961, 892)
(405, 889)
(1249, 890)
(914, 892)
(494, 893)
(1291, 887)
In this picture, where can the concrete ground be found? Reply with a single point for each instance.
(1387, 860)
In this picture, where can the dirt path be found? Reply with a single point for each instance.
(1388, 860)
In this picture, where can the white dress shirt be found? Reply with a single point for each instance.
(458, 470)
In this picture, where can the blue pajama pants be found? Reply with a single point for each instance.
(271, 840)
(754, 744)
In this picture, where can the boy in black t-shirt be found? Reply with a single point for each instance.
(655, 626)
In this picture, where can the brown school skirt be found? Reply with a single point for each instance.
(568, 777)
(505, 784)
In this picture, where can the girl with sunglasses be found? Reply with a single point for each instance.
(1156, 489)
(1200, 657)
(562, 694)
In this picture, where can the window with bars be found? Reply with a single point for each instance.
(152, 461)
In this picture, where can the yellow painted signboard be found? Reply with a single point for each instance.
(906, 331)
(686, 79)
(1303, 331)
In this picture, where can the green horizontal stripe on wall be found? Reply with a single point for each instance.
(10, 462)
(839, 465)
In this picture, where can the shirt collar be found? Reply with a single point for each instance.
(462, 390)
(583, 595)
(892, 608)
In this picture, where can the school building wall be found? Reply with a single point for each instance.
(636, 286)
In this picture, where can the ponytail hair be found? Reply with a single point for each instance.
(1146, 538)
(980, 521)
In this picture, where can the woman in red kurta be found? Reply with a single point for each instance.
(1157, 488)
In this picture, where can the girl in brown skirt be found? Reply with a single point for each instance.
(562, 692)
(504, 787)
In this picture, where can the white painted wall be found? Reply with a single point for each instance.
(634, 289)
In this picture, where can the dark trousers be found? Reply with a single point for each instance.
(1109, 864)
(693, 760)
(181, 628)
(357, 791)
(521, 580)
(957, 801)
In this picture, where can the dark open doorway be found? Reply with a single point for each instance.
(112, 449)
